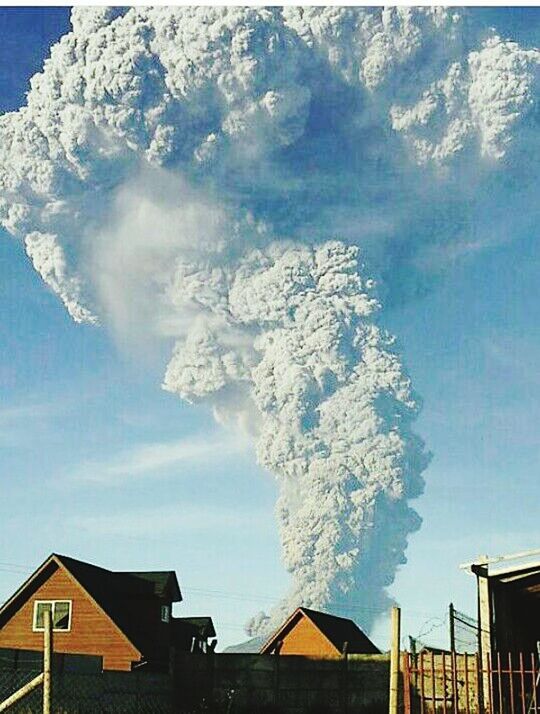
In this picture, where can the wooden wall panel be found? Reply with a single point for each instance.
(305, 639)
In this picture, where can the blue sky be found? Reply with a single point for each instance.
(183, 495)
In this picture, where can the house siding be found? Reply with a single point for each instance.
(92, 632)
(305, 639)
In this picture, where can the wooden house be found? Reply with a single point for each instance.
(317, 634)
(123, 617)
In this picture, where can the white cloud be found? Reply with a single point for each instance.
(149, 460)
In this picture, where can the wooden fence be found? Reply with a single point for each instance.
(237, 683)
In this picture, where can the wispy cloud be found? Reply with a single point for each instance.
(16, 419)
(13, 415)
(142, 460)
(177, 519)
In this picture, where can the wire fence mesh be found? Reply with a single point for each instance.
(11, 681)
(106, 693)
(465, 629)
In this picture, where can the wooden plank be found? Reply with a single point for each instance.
(484, 624)
(394, 662)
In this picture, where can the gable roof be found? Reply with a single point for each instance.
(108, 589)
(337, 630)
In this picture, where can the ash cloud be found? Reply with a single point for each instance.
(219, 178)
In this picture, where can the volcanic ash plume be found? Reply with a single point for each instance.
(334, 410)
(216, 178)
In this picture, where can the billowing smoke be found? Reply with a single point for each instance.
(220, 178)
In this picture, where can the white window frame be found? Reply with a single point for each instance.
(166, 610)
(52, 603)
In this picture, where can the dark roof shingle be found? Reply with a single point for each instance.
(341, 630)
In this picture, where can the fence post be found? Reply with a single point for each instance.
(394, 662)
(276, 660)
(484, 632)
(345, 684)
(406, 683)
(47, 661)
(452, 627)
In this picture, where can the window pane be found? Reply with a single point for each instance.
(61, 615)
(41, 608)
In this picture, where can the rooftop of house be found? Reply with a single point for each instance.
(109, 584)
(109, 589)
(339, 630)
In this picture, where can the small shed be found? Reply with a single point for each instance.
(318, 634)
(508, 602)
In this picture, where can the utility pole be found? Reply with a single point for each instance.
(394, 661)
(452, 627)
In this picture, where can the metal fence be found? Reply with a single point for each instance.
(463, 631)
(462, 684)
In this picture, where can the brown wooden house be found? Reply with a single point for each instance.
(123, 617)
(317, 634)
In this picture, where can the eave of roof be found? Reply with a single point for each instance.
(523, 570)
(26, 584)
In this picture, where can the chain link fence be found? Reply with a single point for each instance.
(11, 681)
(463, 632)
(106, 693)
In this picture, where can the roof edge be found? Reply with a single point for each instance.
(96, 603)
(288, 621)
(56, 558)
(28, 581)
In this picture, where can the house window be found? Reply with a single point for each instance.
(165, 613)
(61, 614)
